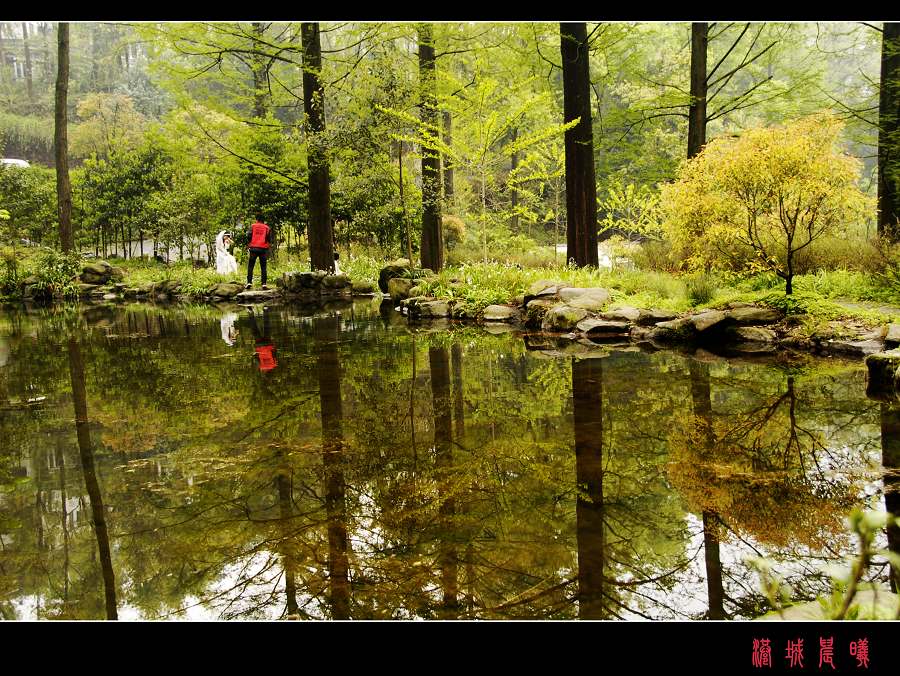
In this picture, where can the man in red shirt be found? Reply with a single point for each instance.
(260, 241)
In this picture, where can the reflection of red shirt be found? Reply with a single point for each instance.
(266, 354)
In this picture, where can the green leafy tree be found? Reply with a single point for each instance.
(754, 201)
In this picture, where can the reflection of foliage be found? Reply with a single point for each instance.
(762, 471)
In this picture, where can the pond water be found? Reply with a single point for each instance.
(335, 462)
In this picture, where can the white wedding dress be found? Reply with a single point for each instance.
(226, 264)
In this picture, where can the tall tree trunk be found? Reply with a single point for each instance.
(889, 133)
(432, 248)
(514, 192)
(697, 110)
(409, 253)
(61, 143)
(329, 369)
(587, 396)
(321, 233)
(79, 399)
(28, 79)
(581, 190)
(260, 77)
(448, 163)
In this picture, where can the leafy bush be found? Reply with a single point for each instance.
(754, 202)
(56, 273)
(701, 288)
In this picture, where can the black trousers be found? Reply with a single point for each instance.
(261, 254)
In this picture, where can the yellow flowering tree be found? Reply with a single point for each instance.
(752, 202)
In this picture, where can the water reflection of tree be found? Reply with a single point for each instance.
(234, 506)
(890, 460)
(86, 450)
(765, 469)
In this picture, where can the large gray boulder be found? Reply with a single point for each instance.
(593, 298)
(652, 317)
(892, 338)
(706, 320)
(749, 315)
(363, 288)
(399, 268)
(433, 309)
(603, 328)
(399, 287)
(225, 289)
(562, 318)
(336, 282)
(752, 334)
(884, 369)
(257, 295)
(500, 313)
(536, 310)
(674, 330)
(622, 314)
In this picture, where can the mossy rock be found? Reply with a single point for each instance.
(363, 287)
(563, 318)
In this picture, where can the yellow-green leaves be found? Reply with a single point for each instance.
(753, 201)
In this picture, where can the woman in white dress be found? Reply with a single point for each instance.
(226, 264)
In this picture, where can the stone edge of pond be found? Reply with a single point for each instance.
(553, 313)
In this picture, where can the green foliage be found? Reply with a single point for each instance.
(629, 208)
(701, 288)
(56, 273)
(28, 194)
(753, 202)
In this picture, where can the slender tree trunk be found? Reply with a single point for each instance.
(587, 395)
(432, 248)
(409, 253)
(79, 398)
(448, 163)
(581, 190)
(321, 233)
(513, 191)
(697, 110)
(28, 79)
(260, 77)
(61, 143)
(889, 133)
